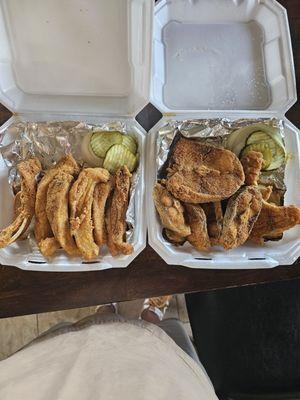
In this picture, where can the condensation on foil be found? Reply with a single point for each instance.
(215, 131)
(49, 141)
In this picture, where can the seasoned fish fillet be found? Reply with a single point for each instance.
(202, 173)
(214, 218)
(252, 164)
(42, 229)
(101, 194)
(241, 214)
(81, 200)
(24, 202)
(265, 191)
(116, 214)
(57, 209)
(173, 237)
(273, 221)
(171, 211)
(49, 246)
(197, 219)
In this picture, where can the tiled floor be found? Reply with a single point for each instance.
(18, 331)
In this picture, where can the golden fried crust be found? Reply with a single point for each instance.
(241, 214)
(197, 219)
(173, 237)
(171, 211)
(265, 191)
(81, 200)
(57, 209)
(42, 228)
(202, 173)
(49, 246)
(101, 194)
(273, 221)
(24, 203)
(116, 214)
(252, 164)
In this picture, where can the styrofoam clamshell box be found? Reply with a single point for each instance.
(224, 58)
(86, 61)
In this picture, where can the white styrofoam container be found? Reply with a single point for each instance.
(224, 58)
(74, 60)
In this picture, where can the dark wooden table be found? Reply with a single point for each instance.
(35, 292)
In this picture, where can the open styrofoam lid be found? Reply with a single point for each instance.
(75, 56)
(222, 55)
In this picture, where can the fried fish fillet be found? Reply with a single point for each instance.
(265, 191)
(173, 237)
(24, 202)
(241, 214)
(42, 229)
(81, 200)
(252, 164)
(197, 219)
(171, 211)
(202, 173)
(116, 214)
(49, 246)
(214, 218)
(101, 194)
(57, 209)
(273, 221)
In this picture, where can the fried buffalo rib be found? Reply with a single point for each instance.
(273, 221)
(101, 194)
(81, 200)
(24, 202)
(241, 214)
(171, 211)
(197, 219)
(57, 209)
(202, 173)
(116, 214)
(42, 229)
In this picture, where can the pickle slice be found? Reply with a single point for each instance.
(101, 142)
(257, 137)
(118, 156)
(87, 153)
(129, 142)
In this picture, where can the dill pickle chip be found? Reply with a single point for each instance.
(101, 142)
(129, 142)
(118, 156)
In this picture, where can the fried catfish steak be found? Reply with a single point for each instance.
(171, 211)
(242, 211)
(202, 173)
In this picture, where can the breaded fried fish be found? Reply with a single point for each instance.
(202, 173)
(24, 202)
(81, 200)
(42, 229)
(241, 214)
(273, 221)
(171, 211)
(252, 163)
(197, 220)
(116, 214)
(57, 209)
(101, 194)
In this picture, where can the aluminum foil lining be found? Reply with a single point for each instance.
(49, 141)
(213, 131)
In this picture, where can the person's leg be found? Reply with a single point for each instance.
(154, 310)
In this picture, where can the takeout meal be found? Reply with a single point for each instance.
(216, 195)
(77, 208)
